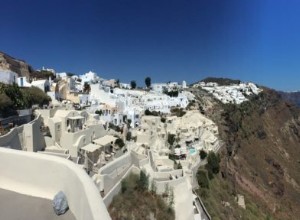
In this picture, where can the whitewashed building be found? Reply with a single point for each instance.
(8, 77)
(44, 84)
(22, 82)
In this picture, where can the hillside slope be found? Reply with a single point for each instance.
(18, 66)
(260, 158)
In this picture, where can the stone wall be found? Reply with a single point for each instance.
(117, 187)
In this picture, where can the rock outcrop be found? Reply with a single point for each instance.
(18, 66)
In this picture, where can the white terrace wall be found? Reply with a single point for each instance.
(74, 141)
(33, 137)
(26, 137)
(166, 175)
(43, 176)
(46, 114)
(161, 185)
(117, 188)
(113, 172)
(137, 159)
(13, 139)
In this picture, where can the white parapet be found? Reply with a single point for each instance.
(43, 176)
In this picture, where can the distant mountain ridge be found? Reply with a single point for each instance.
(221, 81)
(293, 97)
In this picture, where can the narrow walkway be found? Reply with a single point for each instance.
(183, 202)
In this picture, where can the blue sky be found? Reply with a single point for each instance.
(251, 40)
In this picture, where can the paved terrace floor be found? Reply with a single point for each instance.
(15, 206)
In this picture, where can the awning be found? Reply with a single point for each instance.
(107, 139)
(91, 147)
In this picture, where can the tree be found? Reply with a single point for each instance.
(124, 186)
(203, 154)
(5, 101)
(5, 104)
(202, 179)
(86, 87)
(133, 84)
(213, 163)
(171, 139)
(99, 112)
(129, 123)
(120, 142)
(128, 136)
(143, 182)
(35, 96)
(147, 112)
(70, 74)
(179, 166)
(148, 82)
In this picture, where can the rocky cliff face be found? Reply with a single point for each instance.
(260, 158)
(18, 66)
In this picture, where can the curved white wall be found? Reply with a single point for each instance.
(43, 176)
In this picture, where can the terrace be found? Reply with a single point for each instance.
(29, 185)
(18, 206)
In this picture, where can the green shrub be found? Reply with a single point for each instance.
(213, 162)
(120, 142)
(143, 182)
(99, 112)
(128, 136)
(202, 179)
(171, 139)
(124, 186)
(203, 154)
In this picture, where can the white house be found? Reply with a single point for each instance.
(44, 84)
(62, 75)
(125, 86)
(72, 129)
(88, 77)
(22, 82)
(8, 77)
(159, 87)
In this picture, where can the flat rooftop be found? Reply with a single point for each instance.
(15, 206)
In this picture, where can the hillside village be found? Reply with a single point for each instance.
(109, 129)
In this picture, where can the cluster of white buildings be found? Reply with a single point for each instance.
(10, 77)
(235, 93)
(191, 130)
(116, 102)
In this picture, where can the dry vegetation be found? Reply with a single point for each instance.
(135, 202)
